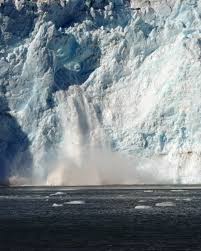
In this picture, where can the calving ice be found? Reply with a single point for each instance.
(103, 88)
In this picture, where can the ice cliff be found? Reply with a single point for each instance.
(82, 77)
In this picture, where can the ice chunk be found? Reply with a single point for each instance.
(187, 199)
(57, 205)
(75, 202)
(142, 207)
(177, 190)
(183, 199)
(165, 204)
(57, 193)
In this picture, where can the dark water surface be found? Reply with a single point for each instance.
(100, 219)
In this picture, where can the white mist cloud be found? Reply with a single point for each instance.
(108, 168)
(85, 158)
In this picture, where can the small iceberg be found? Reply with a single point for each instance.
(148, 191)
(75, 202)
(57, 205)
(187, 199)
(142, 207)
(183, 199)
(165, 204)
(57, 193)
(177, 190)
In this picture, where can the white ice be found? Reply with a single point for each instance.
(57, 205)
(165, 204)
(141, 207)
(75, 202)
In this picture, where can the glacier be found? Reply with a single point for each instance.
(100, 92)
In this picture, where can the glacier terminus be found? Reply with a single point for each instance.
(100, 92)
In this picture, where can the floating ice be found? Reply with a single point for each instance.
(177, 190)
(142, 207)
(165, 204)
(183, 199)
(57, 194)
(75, 202)
(57, 205)
(187, 199)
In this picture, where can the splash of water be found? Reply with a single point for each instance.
(85, 157)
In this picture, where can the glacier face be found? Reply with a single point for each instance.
(81, 85)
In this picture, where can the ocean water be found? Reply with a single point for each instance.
(100, 218)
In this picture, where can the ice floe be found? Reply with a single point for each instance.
(57, 205)
(165, 204)
(57, 194)
(75, 202)
(142, 207)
